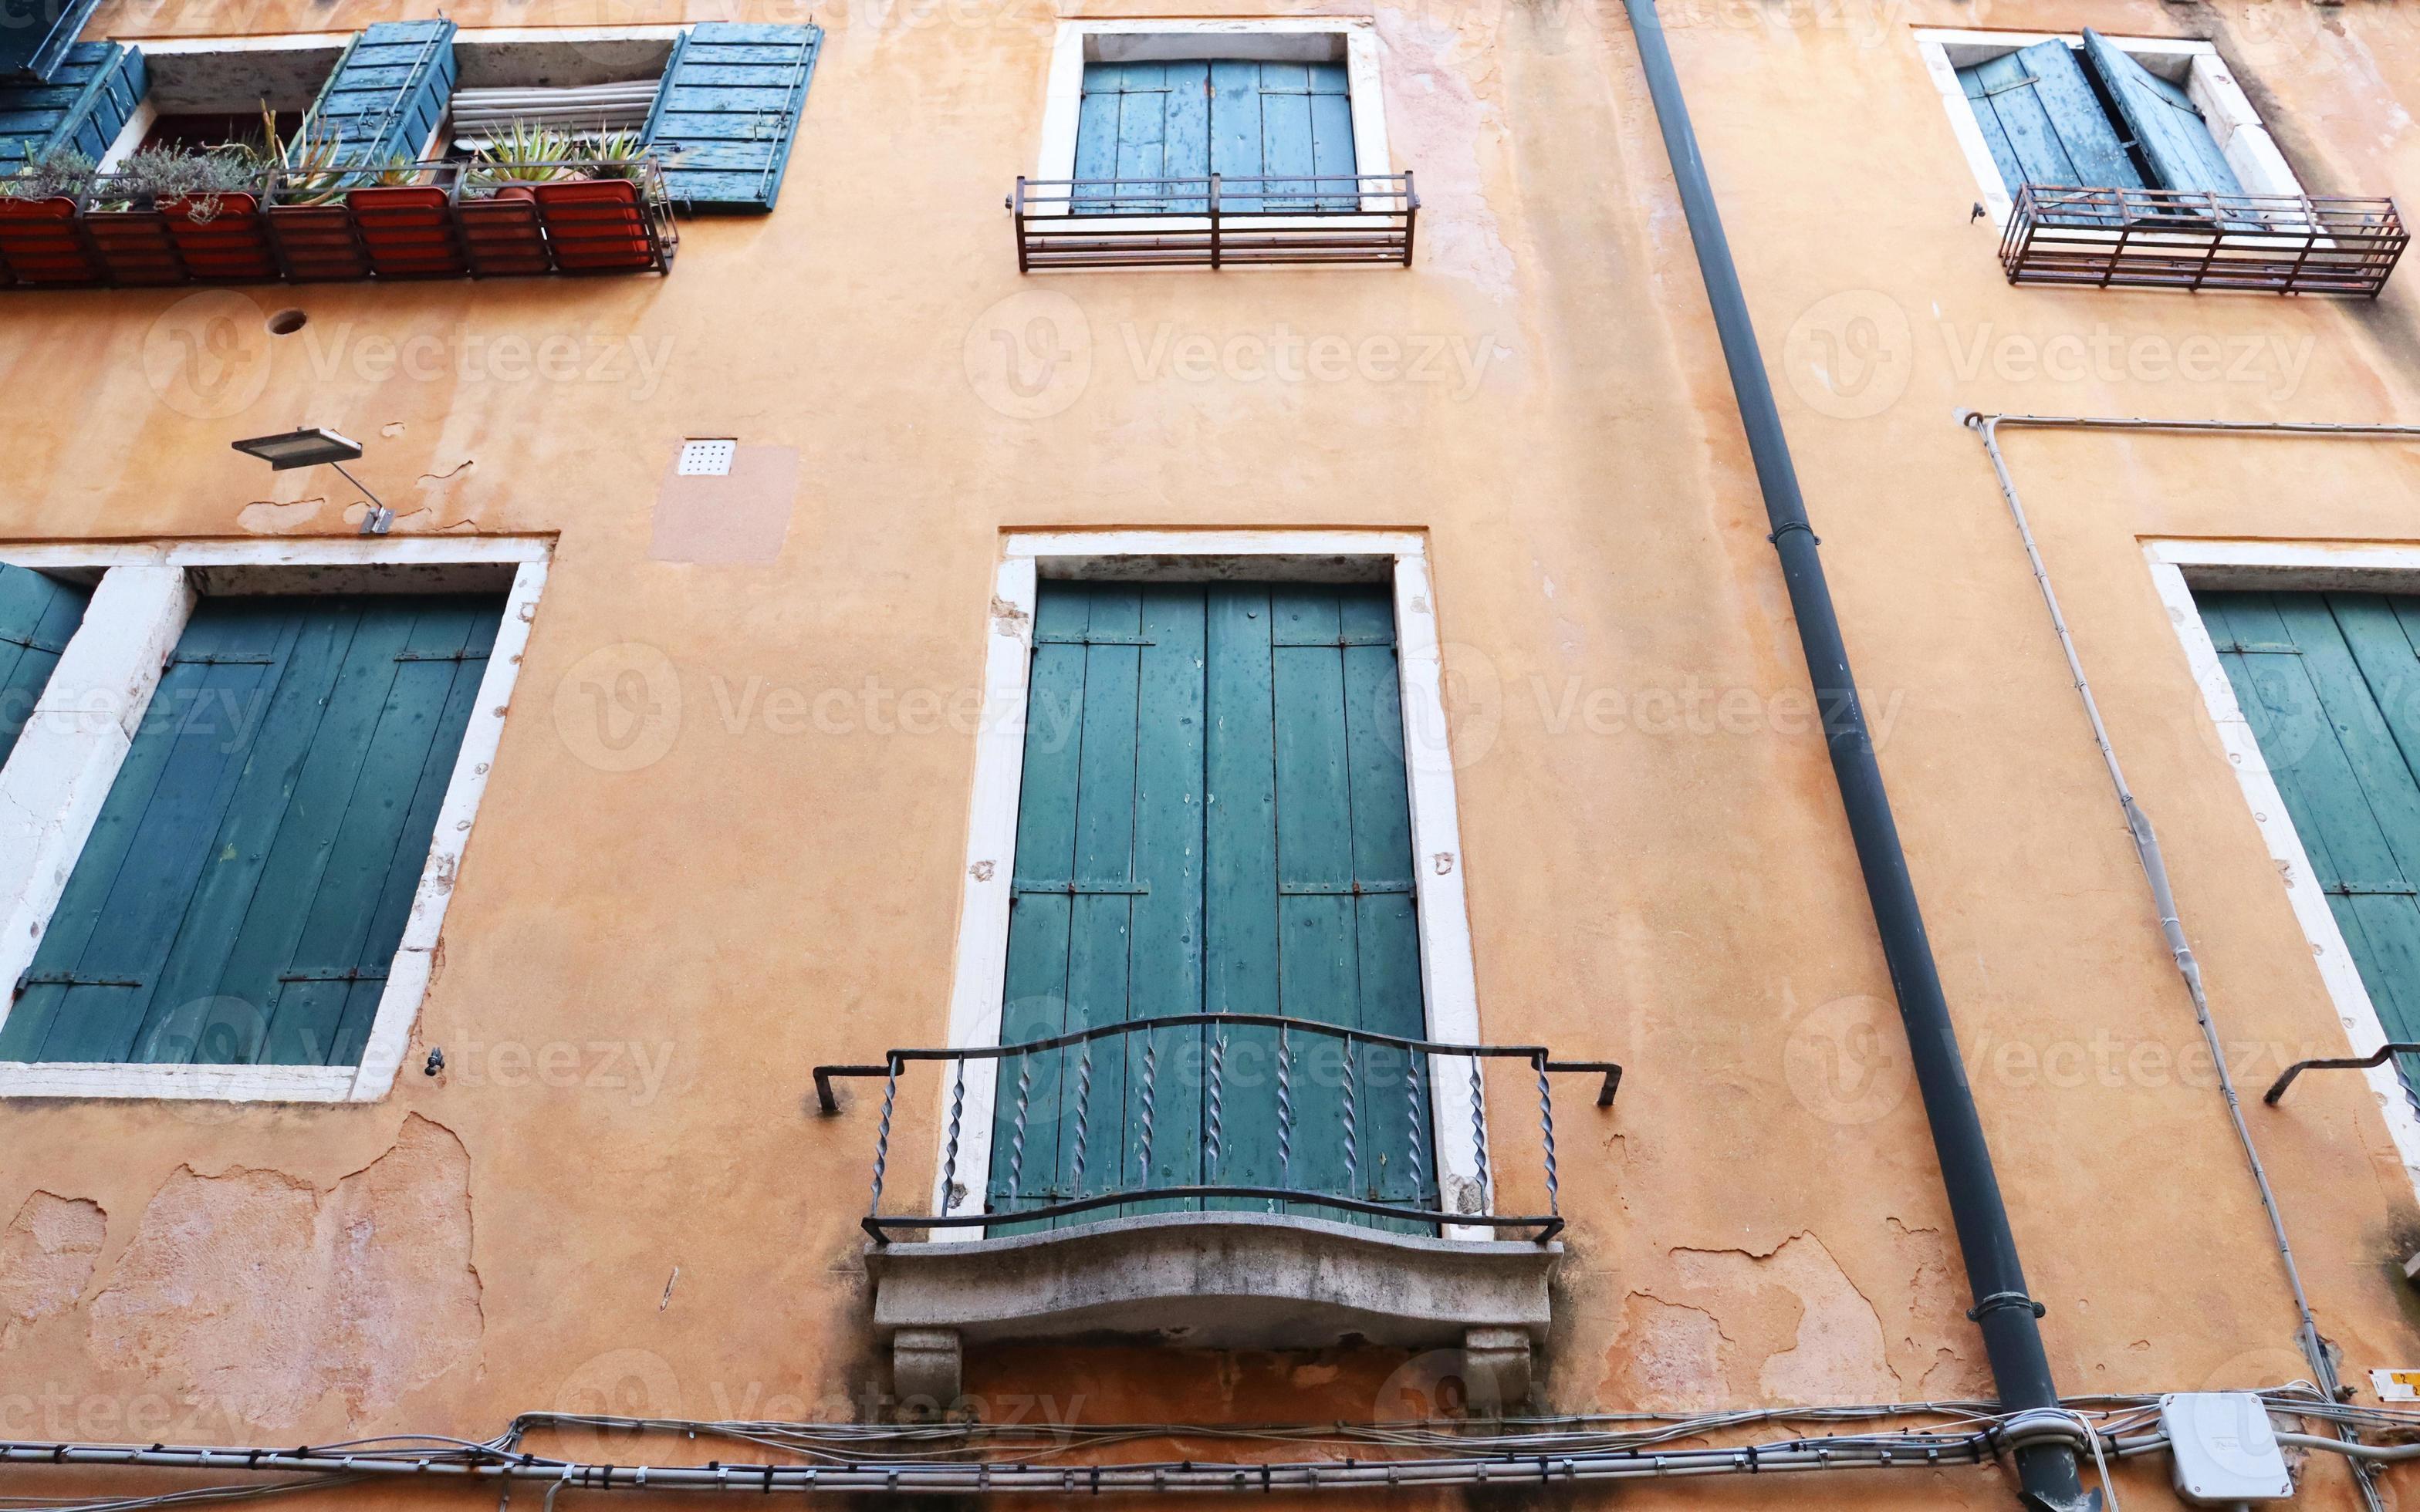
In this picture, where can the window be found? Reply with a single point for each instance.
(2052, 116)
(1214, 819)
(1236, 118)
(256, 858)
(36, 616)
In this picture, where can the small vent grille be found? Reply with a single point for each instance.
(707, 459)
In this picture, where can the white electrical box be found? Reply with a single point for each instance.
(2225, 1451)
(707, 459)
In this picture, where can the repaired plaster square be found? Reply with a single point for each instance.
(740, 517)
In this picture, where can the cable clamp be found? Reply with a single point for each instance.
(1787, 525)
(2045, 1425)
(1999, 1301)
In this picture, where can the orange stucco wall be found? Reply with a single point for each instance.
(617, 1196)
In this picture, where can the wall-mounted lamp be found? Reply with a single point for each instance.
(311, 447)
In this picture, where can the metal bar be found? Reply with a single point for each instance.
(1266, 1021)
(2376, 1058)
(1612, 1076)
(1268, 1194)
(826, 1102)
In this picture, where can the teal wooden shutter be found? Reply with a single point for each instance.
(84, 105)
(36, 616)
(1213, 819)
(2043, 122)
(247, 881)
(727, 110)
(33, 45)
(387, 94)
(2164, 121)
(2331, 685)
(1236, 118)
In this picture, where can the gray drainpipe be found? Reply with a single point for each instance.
(2047, 1466)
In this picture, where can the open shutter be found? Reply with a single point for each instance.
(727, 110)
(36, 616)
(247, 881)
(387, 94)
(34, 49)
(2043, 122)
(2164, 121)
(1213, 819)
(85, 106)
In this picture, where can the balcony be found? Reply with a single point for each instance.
(444, 219)
(1223, 1181)
(2191, 239)
(1224, 221)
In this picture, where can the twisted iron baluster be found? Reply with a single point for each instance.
(882, 1140)
(1149, 1071)
(949, 1157)
(1352, 1139)
(1084, 1114)
(1412, 1123)
(1016, 1140)
(1478, 1123)
(1218, 1081)
(1546, 1127)
(1285, 1113)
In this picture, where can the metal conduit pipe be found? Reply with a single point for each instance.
(2146, 840)
(2048, 1473)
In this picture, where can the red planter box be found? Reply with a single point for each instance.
(317, 243)
(223, 238)
(409, 232)
(134, 247)
(40, 244)
(502, 235)
(596, 227)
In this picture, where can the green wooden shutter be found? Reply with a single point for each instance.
(2331, 685)
(36, 616)
(387, 94)
(1236, 118)
(2043, 122)
(247, 881)
(1213, 819)
(33, 45)
(2164, 121)
(727, 110)
(84, 105)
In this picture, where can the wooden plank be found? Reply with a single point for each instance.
(1285, 129)
(1100, 932)
(1986, 109)
(1236, 126)
(1239, 872)
(1186, 149)
(1168, 856)
(38, 614)
(2164, 121)
(1331, 134)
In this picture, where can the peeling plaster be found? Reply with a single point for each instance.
(1670, 1356)
(264, 1293)
(46, 1257)
(1838, 1354)
(1435, 121)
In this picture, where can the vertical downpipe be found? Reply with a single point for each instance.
(2048, 1471)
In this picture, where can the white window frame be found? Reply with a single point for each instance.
(59, 775)
(2233, 123)
(2177, 568)
(1448, 978)
(1277, 39)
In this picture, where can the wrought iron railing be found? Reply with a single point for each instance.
(1097, 1095)
(2190, 239)
(435, 219)
(1223, 220)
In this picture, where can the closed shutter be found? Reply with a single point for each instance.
(35, 41)
(728, 109)
(1236, 118)
(1213, 819)
(246, 884)
(2043, 122)
(86, 104)
(2164, 121)
(387, 94)
(2331, 685)
(36, 616)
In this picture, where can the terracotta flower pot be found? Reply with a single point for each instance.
(38, 244)
(596, 225)
(408, 231)
(502, 233)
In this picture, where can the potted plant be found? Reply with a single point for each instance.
(38, 240)
(596, 216)
(406, 223)
(307, 218)
(498, 206)
(122, 217)
(212, 206)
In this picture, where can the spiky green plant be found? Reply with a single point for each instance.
(313, 162)
(529, 154)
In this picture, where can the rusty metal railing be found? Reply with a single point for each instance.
(1222, 221)
(1156, 1114)
(2190, 239)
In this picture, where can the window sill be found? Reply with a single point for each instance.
(1212, 1280)
(207, 1084)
